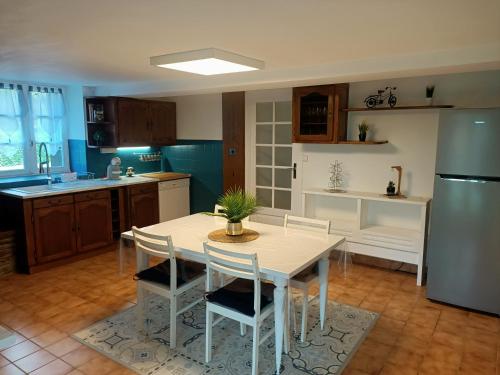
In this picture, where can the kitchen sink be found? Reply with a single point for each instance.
(34, 189)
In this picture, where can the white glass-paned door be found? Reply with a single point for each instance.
(273, 155)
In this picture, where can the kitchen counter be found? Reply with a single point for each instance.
(166, 176)
(38, 191)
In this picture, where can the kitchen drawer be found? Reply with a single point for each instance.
(92, 195)
(143, 188)
(56, 200)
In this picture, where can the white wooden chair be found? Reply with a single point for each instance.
(169, 279)
(310, 275)
(246, 299)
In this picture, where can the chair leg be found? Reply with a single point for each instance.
(255, 349)
(208, 338)
(140, 308)
(291, 308)
(305, 308)
(173, 322)
(243, 329)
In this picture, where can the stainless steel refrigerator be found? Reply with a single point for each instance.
(464, 244)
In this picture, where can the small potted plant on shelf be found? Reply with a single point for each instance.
(391, 188)
(363, 128)
(429, 93)
(237, 205)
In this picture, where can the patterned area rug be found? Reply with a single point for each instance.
(148, 353)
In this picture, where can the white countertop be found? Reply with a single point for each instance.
(38, 191)
(368, 196)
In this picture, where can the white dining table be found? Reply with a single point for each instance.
(281, 252)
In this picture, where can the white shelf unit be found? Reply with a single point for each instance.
(374, 224)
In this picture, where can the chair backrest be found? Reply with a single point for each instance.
(244, 266)
(159, 246)
(218, 209)
(298, 222)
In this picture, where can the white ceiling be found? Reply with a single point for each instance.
(108, 43)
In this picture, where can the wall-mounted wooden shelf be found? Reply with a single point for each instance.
(362, 143)
(397, 108)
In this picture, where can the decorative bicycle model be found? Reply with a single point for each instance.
(372, 101)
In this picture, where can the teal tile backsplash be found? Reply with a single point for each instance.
(203, 160)
(200, 158)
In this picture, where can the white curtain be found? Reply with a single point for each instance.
(12, 137)
(48, 115)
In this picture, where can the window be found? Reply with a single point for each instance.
(31, 115)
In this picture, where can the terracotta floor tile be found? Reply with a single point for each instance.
(453, 341)
(76, 372)
(56, 367)
(35, 361)
(420, 332)
(80, 356)
(34, 329)
(20, 350)
(390, 369)
(484, 322)
(99, 365)
(18, 339)
(49, 337)
(10, 370)
(3, 361)
(403, 357)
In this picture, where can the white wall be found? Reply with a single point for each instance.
(75, 109)
(199, 116)
(412, 134)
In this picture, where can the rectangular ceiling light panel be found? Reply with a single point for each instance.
(209, 61)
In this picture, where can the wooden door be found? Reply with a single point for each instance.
(233, 134)
(133, 124)
(54, 232)
(313, 115)
(94, 223)
(144, 205)
(163, 122)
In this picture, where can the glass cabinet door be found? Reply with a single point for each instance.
(313, 113)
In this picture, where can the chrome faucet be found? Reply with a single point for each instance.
(46, 162)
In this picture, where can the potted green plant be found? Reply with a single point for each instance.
(363, 128)
(237, 205)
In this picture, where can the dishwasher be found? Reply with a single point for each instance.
(173, 199)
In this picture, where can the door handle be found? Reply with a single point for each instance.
(294, 170)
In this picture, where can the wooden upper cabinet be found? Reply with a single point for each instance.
(146, 122)
(162, 122)
(317, 114)
(133, 124)
(93, 220)
(54, 227)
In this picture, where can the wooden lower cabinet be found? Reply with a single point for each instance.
(54, 228)
(60, 228)
(94, 226)
(143, 205)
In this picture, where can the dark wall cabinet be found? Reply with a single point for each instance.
(130, 122)
(318, 115)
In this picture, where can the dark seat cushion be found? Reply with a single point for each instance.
(307, 274)
(239, 295)
(186, 271)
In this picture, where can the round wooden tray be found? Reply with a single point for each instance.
(220, 235)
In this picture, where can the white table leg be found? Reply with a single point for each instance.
(324, 266)
(279, 318)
